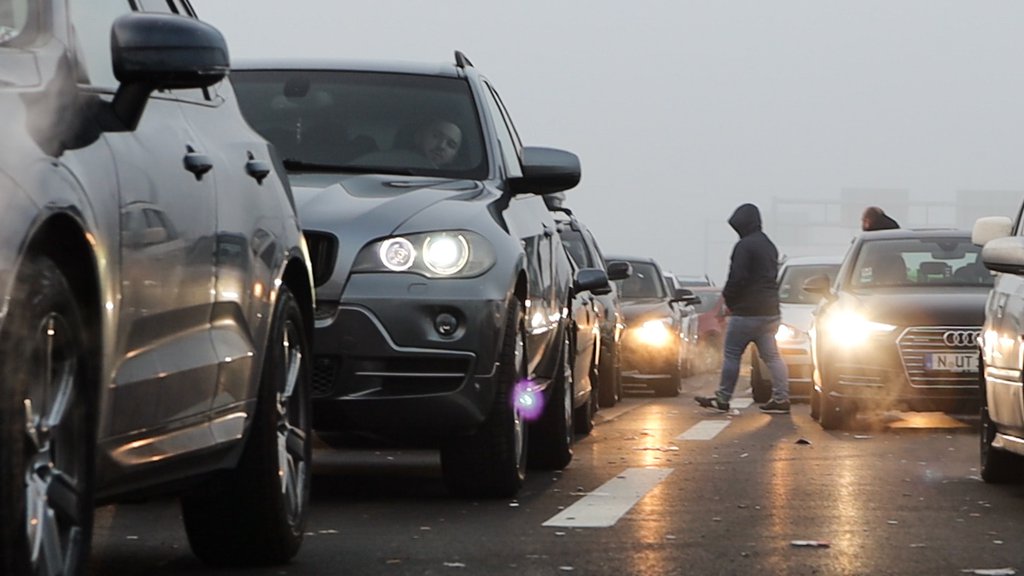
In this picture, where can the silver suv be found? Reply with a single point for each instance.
(156, 290)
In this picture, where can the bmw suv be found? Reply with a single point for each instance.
(156, 290)
(443, 288)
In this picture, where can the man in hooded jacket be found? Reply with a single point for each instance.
(752, 295)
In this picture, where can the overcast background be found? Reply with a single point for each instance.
(681, 110)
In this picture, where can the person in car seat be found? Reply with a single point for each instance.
(438, 141)
(874, 218)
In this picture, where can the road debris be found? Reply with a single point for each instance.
(810, 544)
(802, 441)
(990, 571)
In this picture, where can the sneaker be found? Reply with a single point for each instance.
(775, 407)
(713, 403)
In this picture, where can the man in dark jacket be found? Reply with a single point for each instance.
(752, 295)
(874, 218)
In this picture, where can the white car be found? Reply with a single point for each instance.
(796, 306)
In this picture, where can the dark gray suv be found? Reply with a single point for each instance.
(156, 292)
(443, 289)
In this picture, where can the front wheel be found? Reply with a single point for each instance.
(833, 413)
(609, 380)
(551, 439)
(256, 513)
(492, 461)
(47, 417)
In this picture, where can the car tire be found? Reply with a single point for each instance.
(815, 402)
(48, 437)
(997, 466)
(256, 513)
(760, 387)
(583, 419)
(609, 381)
(833, 414)
(491, 462)
(551, 437)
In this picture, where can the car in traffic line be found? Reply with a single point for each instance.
(444, 291)
(654, 348)
(1002, 401)
(157, 291)
(584, 250)
(796, 309)
(899, 324)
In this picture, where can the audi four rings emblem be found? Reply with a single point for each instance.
(961, 338)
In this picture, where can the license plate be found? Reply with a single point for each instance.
(952, 362)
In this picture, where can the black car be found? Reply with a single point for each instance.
(158, 298)
(655, 346)
(899, 325)
(443, 288)
(583, 248)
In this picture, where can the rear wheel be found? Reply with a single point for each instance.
(551, 438)
(492, 461)
(760, 387)
(583, 419)
(48, 428)
(609, 380)
(815, 402)
(997, 466)
(256, 513)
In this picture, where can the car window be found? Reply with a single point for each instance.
(366, 121)
(15, 19)
(791, 284)
(506, 133)
(576, 247)
(645, 282)
(92, 21)
(952, 261)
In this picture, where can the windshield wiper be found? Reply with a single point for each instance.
(291, 164)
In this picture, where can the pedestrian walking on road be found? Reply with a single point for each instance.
(752, 296)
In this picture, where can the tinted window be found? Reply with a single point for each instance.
(366, 122)
(791, 284)
(506, 134)
(919, 261)
(576, 247)
(645, 282)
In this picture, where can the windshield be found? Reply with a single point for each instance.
(953, 261)
(645, 282)
(791, 285)
(365, 121)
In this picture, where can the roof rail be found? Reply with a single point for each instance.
(461, 60)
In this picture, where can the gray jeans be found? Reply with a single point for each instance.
(741, 331)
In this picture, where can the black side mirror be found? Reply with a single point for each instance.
(593, 280)
(546, 171)
(618, 270)
(162, 51)
(686, 296)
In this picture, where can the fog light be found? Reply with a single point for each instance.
(446, 324)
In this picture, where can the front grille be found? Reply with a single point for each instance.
(916, 343)
(323, 254)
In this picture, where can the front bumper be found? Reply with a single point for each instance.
(381, 365)
(796, 354)
(900, 371)
(641, 360)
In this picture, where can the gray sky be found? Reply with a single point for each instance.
(680, 110)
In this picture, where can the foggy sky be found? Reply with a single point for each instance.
(680, 110)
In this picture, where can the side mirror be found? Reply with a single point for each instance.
(593, 280)
(546, 171)
(989, 228)
(820, 285)
(1004, 255)
(162, 51)
(618, 270)
(686, 296)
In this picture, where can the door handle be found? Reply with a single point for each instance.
(197, 163)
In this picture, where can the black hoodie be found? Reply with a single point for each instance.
(752, 288)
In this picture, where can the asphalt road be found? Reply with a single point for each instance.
(660, 487)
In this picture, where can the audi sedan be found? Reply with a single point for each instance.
(899, 325)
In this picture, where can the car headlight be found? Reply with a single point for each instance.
(851, 329)
(787, 333)
(443, 254)
(655, 332)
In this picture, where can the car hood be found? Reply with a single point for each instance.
(934, 306)
(644, 309)
(798, 316)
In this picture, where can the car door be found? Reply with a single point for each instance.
(166, 367)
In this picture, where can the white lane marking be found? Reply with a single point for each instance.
(603, 507)
(704, 430)
(741, 403)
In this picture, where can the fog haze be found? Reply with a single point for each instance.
(681, 110)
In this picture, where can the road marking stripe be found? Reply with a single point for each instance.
(704, 430)
(741, 403)
(603, 507)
